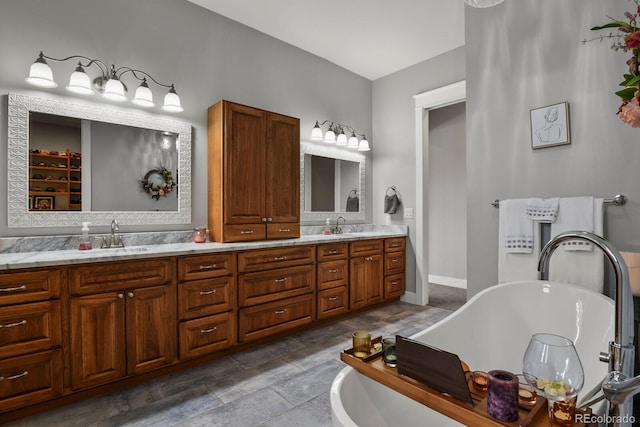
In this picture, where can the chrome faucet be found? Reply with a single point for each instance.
(113, 240)
(619, 384)
(338, 228)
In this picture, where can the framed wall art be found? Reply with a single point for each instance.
(43, 203)
(550, 126)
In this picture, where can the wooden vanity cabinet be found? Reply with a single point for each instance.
(394, 267)
(365, 273)
(332, 278)
(206, 304)
(31, 367)
(122, 319)
(253, 174)
(276, 290)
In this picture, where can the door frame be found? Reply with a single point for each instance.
(424, 102)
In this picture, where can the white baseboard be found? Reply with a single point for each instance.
(409, 297)
(448, 281)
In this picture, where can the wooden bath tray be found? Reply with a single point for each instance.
(470, 415)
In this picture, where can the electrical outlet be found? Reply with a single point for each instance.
(408, 213)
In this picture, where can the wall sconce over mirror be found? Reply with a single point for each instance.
(109, 83)
(336, 135)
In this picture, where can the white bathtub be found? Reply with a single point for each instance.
(491, 331)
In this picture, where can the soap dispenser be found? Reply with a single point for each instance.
(327, 227)
(85, 242)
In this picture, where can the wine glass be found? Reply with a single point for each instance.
(552, 366)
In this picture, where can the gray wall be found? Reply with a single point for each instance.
(207, 56)
(394, 160)
(447, 183)
(526, 54)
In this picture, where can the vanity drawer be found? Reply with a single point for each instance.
(332, 274)
(285, 230)
(272, 285)
(207, 335)
(206, 266)
(204, 297)
(366, 247)
(394, 263)
(333, 251)
(30, 327)
(394, 286)
(268, 319)
(267, 259)
(332, 302)
(244, 232)
(27, 286)
(30, 379)
(111, 276)
(395, 244)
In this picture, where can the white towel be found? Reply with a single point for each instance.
(575, 214)
(543, 210)
(517, 265)
(579, 267)
(517, 229)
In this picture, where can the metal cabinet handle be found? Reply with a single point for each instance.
(282, 279)
(396, 245)
(395, 282)
(333, 298)
(130, 294)
(208, 267)
(13, 325)
(208, 331)
(333, 252)
(281, 311)
(335, 270)
(17, 288)
(212, 291)
(264, 219)
(246, 232)
(368, 258)
(284, 230)
(15, 377)
(269, 219)
(120, 295)
(280, 258)
(395, 260)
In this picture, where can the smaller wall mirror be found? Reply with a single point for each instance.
(332, 183)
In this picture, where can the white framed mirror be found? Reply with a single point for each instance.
(124, 169)
(332, 183)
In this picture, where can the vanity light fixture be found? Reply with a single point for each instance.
(483, 3)
(336, 135)
(108, 83)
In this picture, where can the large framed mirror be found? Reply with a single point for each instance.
(71, 162)
(332, 183)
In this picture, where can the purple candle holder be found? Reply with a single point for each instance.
(502, 396)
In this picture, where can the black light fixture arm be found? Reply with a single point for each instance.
(338, 127)
(120, 71)
(103, 67)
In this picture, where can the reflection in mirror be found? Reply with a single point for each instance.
(333, 182)
(72, 162)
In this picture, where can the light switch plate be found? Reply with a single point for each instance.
(408, 213)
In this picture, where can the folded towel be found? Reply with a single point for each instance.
(575, 214)
(579, 267)
(543, 210)
(517, 264)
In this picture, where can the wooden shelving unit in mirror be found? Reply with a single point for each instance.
(55, 180)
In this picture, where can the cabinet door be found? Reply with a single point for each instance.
(244, 165)
(283, 169)
(97, 339)
(366, 285)
(151, 329)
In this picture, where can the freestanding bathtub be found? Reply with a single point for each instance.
(491, 331)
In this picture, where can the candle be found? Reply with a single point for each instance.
(502, 395)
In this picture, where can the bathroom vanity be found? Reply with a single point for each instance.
(79, 323)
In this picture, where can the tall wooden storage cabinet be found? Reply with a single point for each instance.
(254, 174)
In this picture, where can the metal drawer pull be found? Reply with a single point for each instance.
(284, 230)
(246, 232)
(121, 295)
(333, 298)
(15, 377)
(280, 258)
(207, 267)
(395, 282)
(369, 258)
(213, 291)
(269, 219)
(283, 279)
(335, 270)
(396, 245)
(281, 311)
(208, 331)
(13, 325)
(333, 252)
(17, 288)
(395, 260)
(130, 294)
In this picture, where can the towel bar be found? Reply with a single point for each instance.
(618, 200)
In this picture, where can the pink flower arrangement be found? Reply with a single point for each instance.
(628, 40)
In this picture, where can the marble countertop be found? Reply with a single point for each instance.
(17, 260)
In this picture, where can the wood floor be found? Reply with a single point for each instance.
(282, 384)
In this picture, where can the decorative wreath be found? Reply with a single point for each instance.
(157, 183)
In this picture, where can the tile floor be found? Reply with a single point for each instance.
(282, 384)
